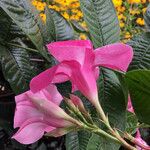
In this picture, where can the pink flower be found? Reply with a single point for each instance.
(129, 106)
(78, 62)
(78, 103)
(39, 113)
(140, 141)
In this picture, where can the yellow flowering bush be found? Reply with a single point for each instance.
(130, 13)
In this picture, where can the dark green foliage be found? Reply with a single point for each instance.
(139, 87)
(16, 67)
(23, 17)
(141, 48)
(102, 21)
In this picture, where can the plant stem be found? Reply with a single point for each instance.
(111, 130)
(36, 60)
(136, 142)
(105, 134)
(98, 131)
(26, 48)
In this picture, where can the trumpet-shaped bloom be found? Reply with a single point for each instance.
(140, 141)
(78, 62)
(129, 106)
(37, 113)
(78, 103)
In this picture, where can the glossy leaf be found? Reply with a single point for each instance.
(139, 87)
(5, 23)
(78, 27)
(147, 18)
(132, 123)
(98, 143)
(101, 20)
(112, 98)
(141, 48)
(77, 140)
(26, 21)
(63, 29)
(87, 141)
(50, 26)
(16, 67)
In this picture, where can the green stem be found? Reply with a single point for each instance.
(105, 134)
(26, 48)
(98, 131)
(102, 115)
(111, 130)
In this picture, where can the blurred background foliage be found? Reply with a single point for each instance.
(129, 12)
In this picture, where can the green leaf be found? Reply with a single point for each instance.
(100, 143)
(27, 5)
(132, 123)
(16, 66)
(139, 87)
(141, 48)
(101, 18)
(112, 98)
(5, 23)
(26, 21)
(50, 26)
(147, 18)
(77, 140)
(83, 140)
(63, 29)
(78, 27)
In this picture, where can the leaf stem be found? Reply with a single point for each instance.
(98, 131)
(26, 48)
(111, 130)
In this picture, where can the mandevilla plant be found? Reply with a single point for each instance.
(78, 63)
(108, 100)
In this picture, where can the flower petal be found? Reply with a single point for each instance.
(70, 50)
(115, 56)
(78, 103)
(31, 131)
(60, 131)
(52, 94)
(140, 141)
(43, 79)
(56, 74)
(129, 106)
(26, 108)
(47, 107)
(24, 113)
(84, 79)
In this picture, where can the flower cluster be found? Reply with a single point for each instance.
(38, 109)
(130, 13)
